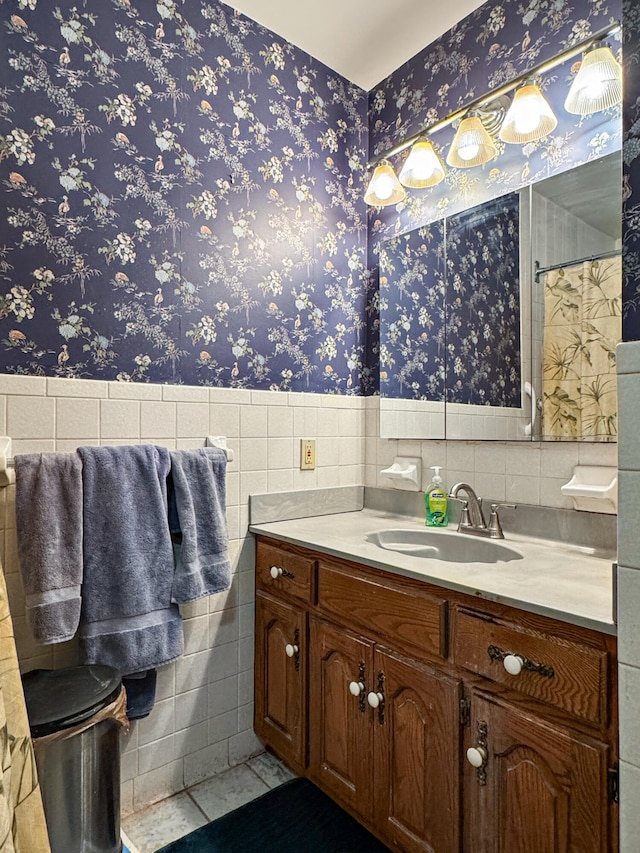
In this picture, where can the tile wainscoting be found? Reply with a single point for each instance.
(202, 722)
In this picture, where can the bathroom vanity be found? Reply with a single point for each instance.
(449, 706)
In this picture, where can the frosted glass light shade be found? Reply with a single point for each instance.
(384, 187)
(422, 168)
(598, 83)
(529, 117)
(472, 145)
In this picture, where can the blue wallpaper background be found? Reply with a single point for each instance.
(450, 308)
(183, 188)
(182, 199)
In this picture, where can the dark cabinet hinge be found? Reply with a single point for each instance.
(465, 712)
(613, 782)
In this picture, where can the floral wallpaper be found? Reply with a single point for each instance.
(183, 188)
(483, 304)
(182, 199)
(413, 315)
(450, 308)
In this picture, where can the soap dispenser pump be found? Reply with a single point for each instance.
(435, 501)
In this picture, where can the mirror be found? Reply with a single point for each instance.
(500, 322)
(578, 312)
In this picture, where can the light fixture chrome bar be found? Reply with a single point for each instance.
(542, 68)
(601, 256)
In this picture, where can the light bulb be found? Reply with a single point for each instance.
(384, 187)
(529, 117)
(423, 165)
(468, 152)
(422, 168)
(525, 115)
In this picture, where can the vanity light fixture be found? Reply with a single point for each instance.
(598, 83)
(472, 145)
(423, 167)
(384, 187)
(597, 86)
(529, 117)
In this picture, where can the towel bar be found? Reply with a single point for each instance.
(7, 474)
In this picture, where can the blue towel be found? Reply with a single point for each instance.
(49, 532)
(128, 620)
(141, 693)
(197, 518)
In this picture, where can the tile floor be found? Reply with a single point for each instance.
(151, 828)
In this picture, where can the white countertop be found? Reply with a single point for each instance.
(554, 579)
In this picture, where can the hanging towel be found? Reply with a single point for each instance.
(140, 688)
(128, 620)
(49, 533)
(197, 505)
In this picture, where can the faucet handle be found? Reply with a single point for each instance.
(465, 518)
(494, 521)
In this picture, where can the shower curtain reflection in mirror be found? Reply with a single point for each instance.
(583, 324)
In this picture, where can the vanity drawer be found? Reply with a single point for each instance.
(567, 674)
(282, 571)
(401, 612)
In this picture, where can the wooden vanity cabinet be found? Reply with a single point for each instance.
(401, 684)
(283, 584)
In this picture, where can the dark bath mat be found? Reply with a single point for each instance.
(293, 818)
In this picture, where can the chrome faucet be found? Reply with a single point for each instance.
(472, 518)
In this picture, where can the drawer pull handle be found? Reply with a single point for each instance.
(292, 650)
(514, 664)
(278, 572)
(478, 755)
(359, 688)
(375, 700)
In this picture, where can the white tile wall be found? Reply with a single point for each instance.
(203, 718)
(202, 723)
(628, 357)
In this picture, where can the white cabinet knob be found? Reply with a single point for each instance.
(513, 664)
(356, 688)
(375, 699)
(476, 756)
(291, 650)
(275, 571)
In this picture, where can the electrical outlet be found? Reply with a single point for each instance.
(307, 454)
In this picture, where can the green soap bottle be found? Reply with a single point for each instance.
(435, 501)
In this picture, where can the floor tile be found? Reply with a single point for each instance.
(272, 771)
(157, 825)
(227, 791)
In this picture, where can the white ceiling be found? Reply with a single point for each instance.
(363, 40)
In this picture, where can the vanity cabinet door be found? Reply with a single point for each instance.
(340, 720)
(417, 756)
(539, 788)
(280, 679)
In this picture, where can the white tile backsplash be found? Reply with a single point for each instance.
(30, 417)
(119, 419)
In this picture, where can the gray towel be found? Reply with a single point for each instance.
(128, 620)
(49, 531)
(199, 492)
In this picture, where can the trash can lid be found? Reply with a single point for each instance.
(59, 698)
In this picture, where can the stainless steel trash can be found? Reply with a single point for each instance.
(76, 741)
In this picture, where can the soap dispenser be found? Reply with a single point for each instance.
(435, 501)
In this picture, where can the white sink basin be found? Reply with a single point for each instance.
(444, 545)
